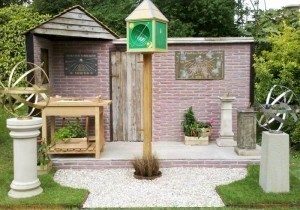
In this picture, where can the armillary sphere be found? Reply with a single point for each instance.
(22, 91)
(277, 108)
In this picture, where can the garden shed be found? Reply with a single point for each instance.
(84, 58)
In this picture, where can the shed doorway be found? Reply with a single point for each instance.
(126, 94)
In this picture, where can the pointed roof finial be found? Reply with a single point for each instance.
(146, 10)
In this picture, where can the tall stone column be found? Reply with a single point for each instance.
(226, 133)
(24, 133)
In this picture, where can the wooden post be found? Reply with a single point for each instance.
(147, 105)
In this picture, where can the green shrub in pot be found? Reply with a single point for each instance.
(70, 130)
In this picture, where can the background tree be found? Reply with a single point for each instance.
(15, 20)
(187, 18)
(270, 22)
(280, 65)
(4, 3)
(200, 18)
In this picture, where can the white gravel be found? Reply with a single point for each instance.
(177, 187)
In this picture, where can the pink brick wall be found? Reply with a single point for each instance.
(83, 86)
(171, 97)
(78, 86)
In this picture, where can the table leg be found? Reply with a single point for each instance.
(102, 139)
(97, 132)
(52, 128)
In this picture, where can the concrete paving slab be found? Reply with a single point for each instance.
(165, 150)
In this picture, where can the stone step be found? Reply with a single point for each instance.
(61, 163)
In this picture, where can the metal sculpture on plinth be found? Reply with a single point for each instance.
(274, 165)
(277, 109)
(20, 92)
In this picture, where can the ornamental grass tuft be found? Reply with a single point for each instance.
(146, 167)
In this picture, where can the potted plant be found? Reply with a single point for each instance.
(196, 132)
(44, 163)
(71, 136)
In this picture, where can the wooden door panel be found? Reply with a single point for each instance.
(126, 76)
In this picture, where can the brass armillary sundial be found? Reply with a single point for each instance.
(20, 91)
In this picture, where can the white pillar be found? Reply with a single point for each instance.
(274, 164)
(24, 133)
(226, 133)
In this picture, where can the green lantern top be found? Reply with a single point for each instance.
(147, 29)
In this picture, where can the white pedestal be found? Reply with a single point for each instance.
(226, 135)
(24, 133)
(274, 165)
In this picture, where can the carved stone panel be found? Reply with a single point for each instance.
(246, 130)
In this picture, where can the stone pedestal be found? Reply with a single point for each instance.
(274, 165)
(24, 133)
(226, 134)
(246, 134)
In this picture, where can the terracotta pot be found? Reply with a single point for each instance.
(146, 177)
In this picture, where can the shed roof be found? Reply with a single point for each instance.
(75, 22)
(146, 10)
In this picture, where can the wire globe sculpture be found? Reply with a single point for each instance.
(21, 90)
(277, 109)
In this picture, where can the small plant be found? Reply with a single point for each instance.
(42, 157)
(192, 127)
(71, 130)
(146, 167)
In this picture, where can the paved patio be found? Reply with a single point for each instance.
(171, 154)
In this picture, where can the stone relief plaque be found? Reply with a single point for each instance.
(81, 64)
(199, 65)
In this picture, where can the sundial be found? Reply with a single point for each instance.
(277, 108)
(81, 64)
(20, 92)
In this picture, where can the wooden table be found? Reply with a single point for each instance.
(70, 107)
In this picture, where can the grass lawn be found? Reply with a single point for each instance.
(247, 192)
(54, 195)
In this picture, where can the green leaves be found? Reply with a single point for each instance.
(281, 64)
(71, 130)
(192, 127)
(14, 21)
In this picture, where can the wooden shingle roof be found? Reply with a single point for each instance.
(75, 22)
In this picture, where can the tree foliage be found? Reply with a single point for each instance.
(187, 18)
(281, 64)
(5, 3)
(15, 20)
(270, 22)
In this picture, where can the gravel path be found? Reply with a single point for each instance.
(178, 187)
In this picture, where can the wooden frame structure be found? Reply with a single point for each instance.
(70, 107)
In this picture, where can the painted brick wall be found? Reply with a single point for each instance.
(78, 86)
(172, 97)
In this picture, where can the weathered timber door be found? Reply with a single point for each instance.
(126, 78)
